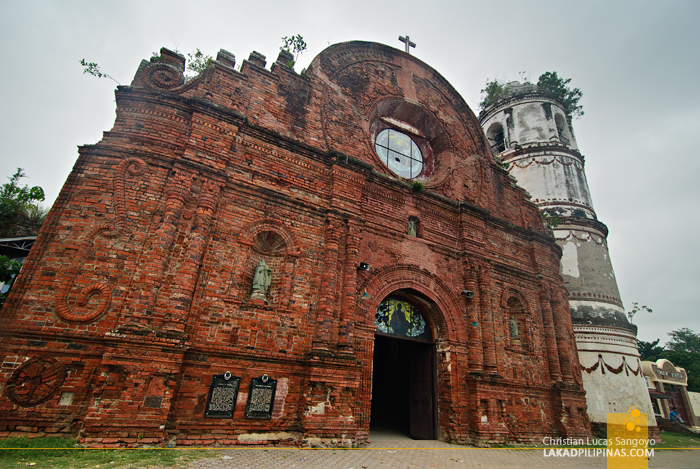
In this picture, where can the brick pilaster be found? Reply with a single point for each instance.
(347, 313)
(153, 271)
(486, 324)
(549, 334)
(183, 291)
(562, 331)
(324, 316)
(476, 348)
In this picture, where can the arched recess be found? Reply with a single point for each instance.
(562, 129)
(496, 136)
(514, 305)
(447, 315)
(273, 241)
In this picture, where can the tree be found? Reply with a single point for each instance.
(8, 271)
(650, 351)
(684, 340)
(690, 361)
(550, 81)
(294, 45)
(19, 202)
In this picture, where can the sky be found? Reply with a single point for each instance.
(637, 63)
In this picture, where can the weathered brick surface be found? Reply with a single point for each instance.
(139, 282)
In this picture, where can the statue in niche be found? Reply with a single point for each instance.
(261, 281)
(514, 335)
(412, 229)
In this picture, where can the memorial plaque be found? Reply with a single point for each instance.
(223, 393)
(261, 398)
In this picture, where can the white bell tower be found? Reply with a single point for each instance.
(530, 132)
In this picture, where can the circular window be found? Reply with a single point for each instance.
(399, 153)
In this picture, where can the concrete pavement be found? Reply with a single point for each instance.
(390, 452)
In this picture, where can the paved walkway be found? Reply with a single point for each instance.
(390, 452)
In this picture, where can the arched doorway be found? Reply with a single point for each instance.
(404, 379)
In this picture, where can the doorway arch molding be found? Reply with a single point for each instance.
(449, 315)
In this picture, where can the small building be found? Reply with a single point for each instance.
(668, 389)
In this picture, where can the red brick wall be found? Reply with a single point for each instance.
(139, 283)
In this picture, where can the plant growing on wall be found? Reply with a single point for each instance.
(417, 186)
(91, 68)
(549, 82)
(636, 308)
(552, 220)
(295, 45)
(559, 87)
(492, 92)
(197, 63)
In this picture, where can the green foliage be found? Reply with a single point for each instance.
(690, 361)
(91, 68)
(636, 308)
(155, 58)
(550, 81)
(198, 62)
(492, 93)
(552, 220)
(295, 45)
(18, 202)
(417, 186)
(8, 271)
(650, 351)
(65, 453)
(684, 340)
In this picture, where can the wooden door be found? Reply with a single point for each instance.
(421, 391)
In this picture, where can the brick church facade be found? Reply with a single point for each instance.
(258, 255)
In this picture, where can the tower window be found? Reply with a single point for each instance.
(399, 153)
(561, 129)
(496, 138)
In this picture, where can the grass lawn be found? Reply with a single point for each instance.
(677, 440)
(62, 453)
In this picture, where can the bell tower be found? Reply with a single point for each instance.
(530, 132)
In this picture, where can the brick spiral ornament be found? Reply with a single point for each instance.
(165, 76)
(134, 166)
(35, 381)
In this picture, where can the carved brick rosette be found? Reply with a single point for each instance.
(164, 76)
(36, 381)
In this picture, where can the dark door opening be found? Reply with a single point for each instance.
(403, 397)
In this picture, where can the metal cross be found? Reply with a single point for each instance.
(407, 40)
